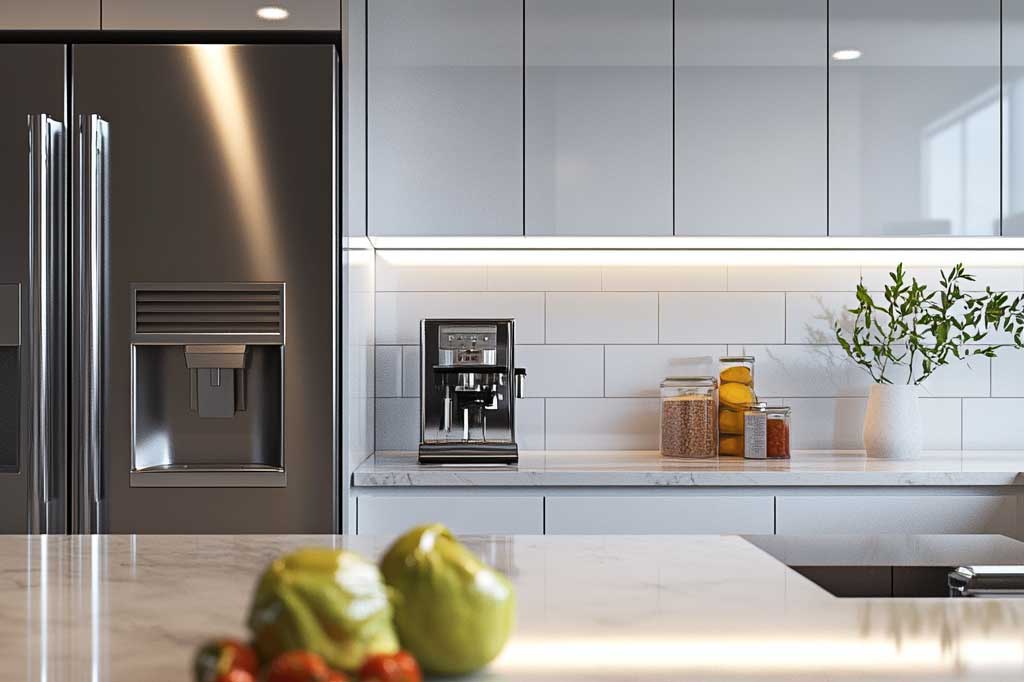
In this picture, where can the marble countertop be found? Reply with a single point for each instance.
(710, 608)
(648, 468)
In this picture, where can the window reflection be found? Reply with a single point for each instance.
(961, 167)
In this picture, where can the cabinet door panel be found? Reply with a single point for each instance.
(50, 15)
(656, 515)
(223, 15)
(445, 117)
(599, 117)
(463, 514)
(750, 117)
(912, 514)
(1013, 118)
(914, 132)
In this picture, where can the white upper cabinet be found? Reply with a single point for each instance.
(445, 117)
(598, 117)
(750, 117)
(1013, 118)
(49, 15)
(914, 119)
(222, 15)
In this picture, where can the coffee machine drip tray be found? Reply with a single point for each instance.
(469, 453)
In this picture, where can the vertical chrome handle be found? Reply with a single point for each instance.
(45, 400)
(520, 382)
(92, 196)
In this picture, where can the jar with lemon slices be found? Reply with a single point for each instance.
(735, 395)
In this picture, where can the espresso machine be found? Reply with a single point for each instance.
(467, 402)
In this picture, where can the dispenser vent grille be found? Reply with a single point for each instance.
(226, 309)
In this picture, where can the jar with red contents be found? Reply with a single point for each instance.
(777, 432)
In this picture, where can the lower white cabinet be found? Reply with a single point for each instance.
(892, 514)
(464, 514)
(696, 514)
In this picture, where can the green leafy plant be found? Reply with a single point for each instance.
(922, 329)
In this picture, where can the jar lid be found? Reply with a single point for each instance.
(689, 381)
(737, 358)
(778, 410)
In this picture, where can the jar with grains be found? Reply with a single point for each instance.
(689, 417)
(777, 432)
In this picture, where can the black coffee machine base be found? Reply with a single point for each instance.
(469, 453)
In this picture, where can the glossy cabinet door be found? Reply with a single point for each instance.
(914, 122)
(445, 117)
(49, 15)
(222, 15)
(599, 117)
(750, 117)
(1013, 118)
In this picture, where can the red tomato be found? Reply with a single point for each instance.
(400, 667)
(335, 676)
(218, 658)
(298, 666)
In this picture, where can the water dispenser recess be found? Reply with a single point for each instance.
(207, 385)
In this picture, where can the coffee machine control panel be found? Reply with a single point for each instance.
(467, 345)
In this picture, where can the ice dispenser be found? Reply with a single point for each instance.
(208, 374)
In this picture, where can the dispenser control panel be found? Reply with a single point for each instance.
(467, 345)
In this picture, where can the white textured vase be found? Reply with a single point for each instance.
(892, 425)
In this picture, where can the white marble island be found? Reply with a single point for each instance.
(639, 492)
(121, 609)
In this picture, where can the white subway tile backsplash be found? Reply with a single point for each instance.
(788, 278)
(410, 371)
(994, 423)
(544, 278)
(827, 423)
(961, 378)
(811, 317)
(838, 423)
(722, 318)
(805, 371)
(598, 340)
(530, 424)
(398, 423)
(392, 277)
(602, 423)
(1008, 374)
(637, 371)
(664, 278)
(602, 318)
(562, 371)
(1000, 279)
(398, 314)
(388, 371)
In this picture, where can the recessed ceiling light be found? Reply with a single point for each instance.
(846, 55)
(272, 13)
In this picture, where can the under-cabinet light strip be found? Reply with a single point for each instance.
(641, 258)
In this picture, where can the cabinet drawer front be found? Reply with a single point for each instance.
(659, 515)
(463, 514)
(874, 514)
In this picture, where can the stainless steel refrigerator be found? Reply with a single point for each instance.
(168, 288)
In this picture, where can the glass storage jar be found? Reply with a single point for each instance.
(689, 417)
(736, 395)
(777, 432)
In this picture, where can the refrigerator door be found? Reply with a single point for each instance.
(206, 262)
(32, 260)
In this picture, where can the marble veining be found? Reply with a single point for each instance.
(128, 608)
(648, 468)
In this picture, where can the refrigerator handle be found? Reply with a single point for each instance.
(46, 338)
(88, 514)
